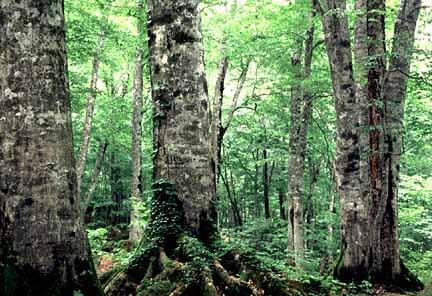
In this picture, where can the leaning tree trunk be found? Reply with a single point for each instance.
(88, 120)
(43, 244)
(136, 229)
(183, 176)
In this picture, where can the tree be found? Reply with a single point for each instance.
(182, 167)
(301, 108)
(136, 229)
(370, 102)
(43, 244)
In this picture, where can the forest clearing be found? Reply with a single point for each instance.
(215, 147)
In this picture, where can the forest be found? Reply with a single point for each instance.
(215, 147)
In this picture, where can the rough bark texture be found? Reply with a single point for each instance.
(370, 248)
(43, 245)
(88, 120)
(182, 164)
(347, 163)
(386, 261)
(136, 230)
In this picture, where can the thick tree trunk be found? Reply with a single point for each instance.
(43, 244)
(370, 248)
(353, 262)
(386, 264)
(88, 120)
(183, 176)
(136, 229)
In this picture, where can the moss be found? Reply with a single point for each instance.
(156, 288)
(168, 220)
(9, 280)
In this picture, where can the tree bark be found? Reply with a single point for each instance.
(43, 244)
(353, 263)
(136, 230)
(370, 248)
(301, 108)
(183, 176)
(217, 127)
(386, 264)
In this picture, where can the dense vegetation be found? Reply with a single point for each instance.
(257, 55)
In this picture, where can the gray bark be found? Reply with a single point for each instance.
(43, 244)
(301, 108)
(136, 230)
(182, 162)
(370, 248)
(354, 230)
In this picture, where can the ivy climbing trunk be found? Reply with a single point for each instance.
(136, 230)
(43, 244)
(183, 176)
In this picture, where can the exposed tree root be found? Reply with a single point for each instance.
(182, 273)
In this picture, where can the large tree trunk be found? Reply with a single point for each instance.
(183, 176)
(43, 244)
(385, 257)
(353, 263)
(136, 230)
(370, 248)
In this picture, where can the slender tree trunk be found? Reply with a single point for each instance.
(116, 212)
(88, 121)
(266, 185)
(256, 195)
(301, 108)
(216, 127)
(95, 176)
(136, 229)
(310, 208)
(43, 243)
(282, 202)
(183, 177)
